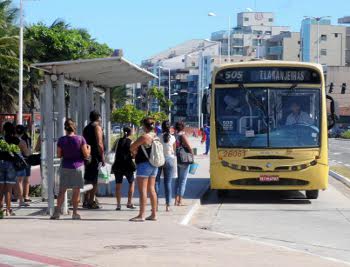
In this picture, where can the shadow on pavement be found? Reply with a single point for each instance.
(255, 197)
(194, 187)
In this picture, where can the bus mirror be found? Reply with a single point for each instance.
(206, 104)
(332, 116)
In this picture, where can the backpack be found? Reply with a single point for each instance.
(156, 157)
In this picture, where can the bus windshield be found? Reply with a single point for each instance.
(267, 117)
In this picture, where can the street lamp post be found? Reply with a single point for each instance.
(318, 19)
(20, 85)
(20, 80)
(212, 14)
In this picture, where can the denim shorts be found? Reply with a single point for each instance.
(21, 173)
(7, 173)
(145, 169)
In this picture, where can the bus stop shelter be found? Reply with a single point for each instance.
(71, 89)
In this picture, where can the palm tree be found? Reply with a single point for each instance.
(8, 57)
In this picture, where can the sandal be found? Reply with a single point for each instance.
(76, 217)
(10, 213)
(56, 215)
(94, 206)
(131, 206)
(27, 200)
(150, 218)
(137, 219)
(119, 207)
(23, 204)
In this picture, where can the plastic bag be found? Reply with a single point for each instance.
(110, 157)
(104, 175)
(193, 168)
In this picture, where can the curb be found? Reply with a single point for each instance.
(187, 218)
(341, 139)
(340, 178)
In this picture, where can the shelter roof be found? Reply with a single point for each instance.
(103, 72)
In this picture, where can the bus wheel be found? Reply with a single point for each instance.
(221, 193)
(312, 194)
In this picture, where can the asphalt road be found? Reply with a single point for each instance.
(320, 227)
(339, 151)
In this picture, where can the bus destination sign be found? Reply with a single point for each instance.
(267, 75)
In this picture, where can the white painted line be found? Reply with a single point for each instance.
(340, 162)
(280, 246)
(190, 213)
(194, 208)
(340, 177)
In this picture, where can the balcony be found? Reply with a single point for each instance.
(275, 50)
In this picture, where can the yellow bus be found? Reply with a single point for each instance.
(269, 127)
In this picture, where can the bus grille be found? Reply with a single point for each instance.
(257, 182)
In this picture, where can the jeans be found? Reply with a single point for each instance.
(207, 147)
(169, 173)
(182, 173)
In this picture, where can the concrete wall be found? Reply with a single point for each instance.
(335, 45)
(291, 47)
(339, 75)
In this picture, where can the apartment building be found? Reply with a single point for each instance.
(284, 46)
(323, 42)
(249, 37)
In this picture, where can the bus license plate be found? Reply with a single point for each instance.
(269, 178)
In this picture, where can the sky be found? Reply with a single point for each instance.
(143, 28)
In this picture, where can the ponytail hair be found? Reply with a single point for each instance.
(166, 131)
(126, 131)
(69, 126)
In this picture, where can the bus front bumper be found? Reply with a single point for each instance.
(312, 178)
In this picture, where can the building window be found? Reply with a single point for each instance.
(299, 42)
(323, 37)
(268, 33)
(336, 35)
(246, 19)
(323, 52)
(270, 19)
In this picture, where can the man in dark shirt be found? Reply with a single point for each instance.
(93, 135)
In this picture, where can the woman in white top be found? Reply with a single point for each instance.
(169, 148)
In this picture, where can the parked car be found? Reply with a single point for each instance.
(116, 129)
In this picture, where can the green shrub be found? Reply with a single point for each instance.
(35, 191)
(346, 135)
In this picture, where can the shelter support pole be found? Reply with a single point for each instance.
(97, 97)
(48, 138)
(60, 98)
(43, 107)
(108, 118)
(74, 105)
(83, 107)
(90, 97)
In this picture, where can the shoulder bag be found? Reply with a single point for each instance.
(183, 155)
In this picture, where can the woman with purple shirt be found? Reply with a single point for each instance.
(73, 150)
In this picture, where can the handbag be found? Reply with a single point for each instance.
(34, 159)
(183, 155)
(19, 162)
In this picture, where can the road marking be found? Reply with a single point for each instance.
(40, 259)
(336, 153)
(227, 235)
(14, 261)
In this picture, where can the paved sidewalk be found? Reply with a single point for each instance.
(106, 238)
